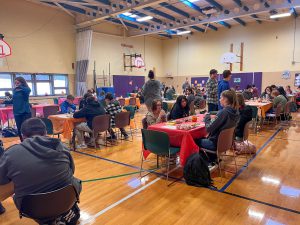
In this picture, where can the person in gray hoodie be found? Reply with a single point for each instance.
(39, 164)
(151, 90)
(226, 118)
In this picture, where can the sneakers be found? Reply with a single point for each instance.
(2, 209)
(126, 136)
(111, 138)
(82, 146)
(212, 166)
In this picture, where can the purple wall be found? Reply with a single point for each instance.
(124, 84)
(199, 80)
(243, 79)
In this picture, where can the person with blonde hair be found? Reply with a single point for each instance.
(226, 118)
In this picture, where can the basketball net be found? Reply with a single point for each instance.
(2, 61)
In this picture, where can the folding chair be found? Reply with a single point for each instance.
(122, 120)
(50, 110)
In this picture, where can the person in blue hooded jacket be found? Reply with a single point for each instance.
(68, 105)
(20, 102)
(223, 85)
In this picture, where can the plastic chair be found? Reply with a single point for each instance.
(49, 127)
(46, 207)
(287, 110)
(245, 140)
(159, 144)
(275, 115)
(225, 142)
(122, 120)
(100, 124)
(50, 110)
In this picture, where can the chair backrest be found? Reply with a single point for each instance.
(225, 140)
(49, 205)
(49, 125)
(246, 130)
(101, 123)
(130, 109)
(156, 142)
(122, 101)
(202, 104)
(50, 110)
(288, 106)
(278, 110)
(33, 112)
(122, 119)
(132, 101)
(144, 123)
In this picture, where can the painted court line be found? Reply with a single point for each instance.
(251, 160)
(119, 202)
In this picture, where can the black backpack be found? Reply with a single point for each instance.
(196, 172)
(9, 132)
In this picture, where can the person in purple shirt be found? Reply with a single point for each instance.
(223, 85)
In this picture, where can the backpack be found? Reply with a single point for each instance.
(196, 172)
(294, 107)
(9, 132)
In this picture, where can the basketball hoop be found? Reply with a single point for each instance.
(5, 49)
(139, 62)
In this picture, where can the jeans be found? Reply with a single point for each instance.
(212, 107)
(19, 120)
(209, 145)
(79, 131)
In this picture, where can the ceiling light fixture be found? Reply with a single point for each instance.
(146, 18)
(275, 16)
(183, 32)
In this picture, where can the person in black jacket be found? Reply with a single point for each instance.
(20, 101)
(82, 102)
(180, 109)
(226, 118)
(245, 112)
(91, 109)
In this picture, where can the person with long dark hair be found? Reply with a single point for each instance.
(181, 108)
(20, 101)
(282, 92)
(151, 90)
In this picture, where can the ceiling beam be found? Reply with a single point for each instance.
(215, 4)
(225, 24)
(174, 9)
(240, 21)
(221, 16)
(116, 9)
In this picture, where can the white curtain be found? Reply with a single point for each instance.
(83, 50)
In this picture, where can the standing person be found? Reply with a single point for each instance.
(224, 85)
(20, 101)
(112, 108)
(185, 85)
(190, 95)
(212, 91)
(151, 90)
(92, 109)
(68, 105)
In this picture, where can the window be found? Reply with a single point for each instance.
(40, 84)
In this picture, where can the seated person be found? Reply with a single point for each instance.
(226, 118)
(254, 91)
(267, 93)
(170, 94)
(190, 95)
(247, 93)
(288, 90)
(68, 105)
(180, 109)
(37, 165)
(83, 102)
(157, 115)
(282, 92)
(278, 99)
(245, 112)
(89, 111)
(112, 108)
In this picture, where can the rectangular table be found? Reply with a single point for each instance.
(65, 124)
(183, 138)
(6, 113)
(263, 106)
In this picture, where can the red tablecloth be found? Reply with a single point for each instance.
(76, 100)
(7, 112)
(182, 138)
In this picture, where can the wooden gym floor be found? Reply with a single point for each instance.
(267, 192)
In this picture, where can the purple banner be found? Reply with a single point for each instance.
(124, 84)
(199, 80)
